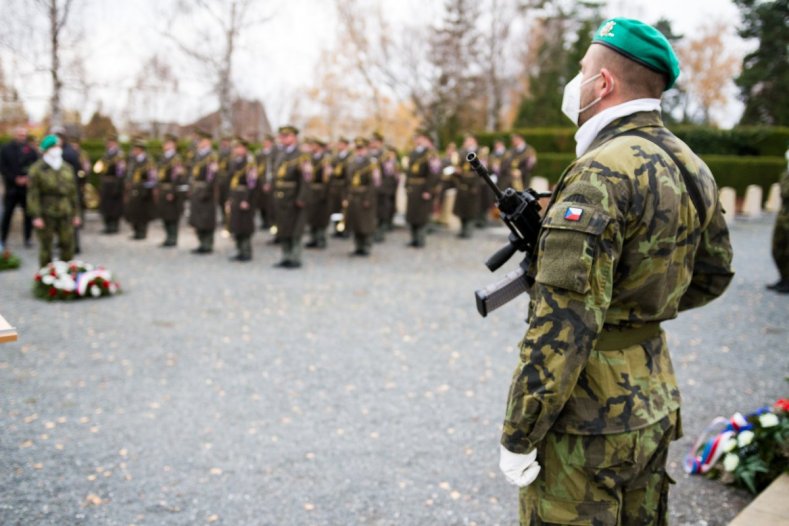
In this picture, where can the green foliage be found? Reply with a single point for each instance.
(765, 72)
(8, 261)
(739, 172)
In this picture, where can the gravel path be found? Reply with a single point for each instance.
(350, 392)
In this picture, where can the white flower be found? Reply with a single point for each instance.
(729, 445)
(730, 462)
(67, 283)
(113, 288)
(95, 291)
(745, 438)
(47, 279)
(768, 420)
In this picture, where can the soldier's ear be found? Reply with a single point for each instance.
(609, 82)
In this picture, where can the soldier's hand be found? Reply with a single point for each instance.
(298, 204)
(426, 196)
(520, 470)
(38, 223)
(21, 180)
(244, 205)
(77, 221)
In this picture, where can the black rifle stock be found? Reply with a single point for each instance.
(520, 211)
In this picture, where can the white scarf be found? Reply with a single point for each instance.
(587, 133)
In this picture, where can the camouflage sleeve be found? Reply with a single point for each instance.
(579, 245)
(712, 271)
(33, 193)
(73, 192)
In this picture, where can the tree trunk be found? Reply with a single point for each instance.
(57, 84)
(225, 75)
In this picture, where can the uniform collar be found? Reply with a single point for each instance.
(593, 130)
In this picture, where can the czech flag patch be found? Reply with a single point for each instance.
(573, 214)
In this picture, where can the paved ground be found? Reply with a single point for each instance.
(350, 392)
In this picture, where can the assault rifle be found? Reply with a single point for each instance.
(520, 211)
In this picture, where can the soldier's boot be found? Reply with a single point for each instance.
(414, 236)
(285, 243)
(778, 284)
(421, 236)
(321, 238)
(358, 245)
(314, 241)
(465, 229)
(379, 235)
(782, 287)
(295, 253)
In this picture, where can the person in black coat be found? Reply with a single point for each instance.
(15, 159)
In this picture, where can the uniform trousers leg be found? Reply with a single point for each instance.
(45, 237)
(64, 229)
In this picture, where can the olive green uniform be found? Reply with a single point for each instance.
(318, 210)
(140, 207)
(223, 182)
(362, 216)
(293, 172)
(243, 188)
(266, 204)
(780, 248)
(424, 169)
(112, 170)
(468, 185)
(52, 197)
(621, 249)
(387, 191)
(203, 198)
(338, 185)
(517, 167)
(173, 185)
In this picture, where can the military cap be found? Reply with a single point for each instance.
(204, 134)
(309, 139)
(343, 139)
(170, 137)
(48, 142)
(360, 142)
(641, 43)
(268, 137)
(139, 142)
(238, 139)
(377, 136)
(320, 142)
(288, 129)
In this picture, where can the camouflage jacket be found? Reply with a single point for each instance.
(621, 248)
(52, 193)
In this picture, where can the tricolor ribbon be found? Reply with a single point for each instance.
(709, 447)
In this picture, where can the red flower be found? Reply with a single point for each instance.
(53, 292)
(782, 404)
(105, 284)
(37, 278)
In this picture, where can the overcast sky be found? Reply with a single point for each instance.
(277, 57)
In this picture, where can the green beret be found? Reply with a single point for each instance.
(48, 142)
(283, 130)
(641, 43)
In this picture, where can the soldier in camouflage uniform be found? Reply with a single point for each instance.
(318, 211)
(421, 184)
(362, 217)
(173, 183)
(140, 206)
(469, 186)
(594, 402)
(780, 246)
(111, 168)
(52, 201)
(204, 194)
(242, 199)
(338, 184)
(293, 174)
(265, 164)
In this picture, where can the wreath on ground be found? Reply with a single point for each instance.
(746, 451)
(72, 280)
(8, 261)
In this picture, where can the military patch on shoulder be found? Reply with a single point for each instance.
(573, 213)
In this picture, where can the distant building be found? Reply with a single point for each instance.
(249, 119)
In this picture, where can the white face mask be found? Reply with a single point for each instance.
(571, 102)
(54, 157)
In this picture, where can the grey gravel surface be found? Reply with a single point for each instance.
(353, 391)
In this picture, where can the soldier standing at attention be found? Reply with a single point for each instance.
(338, 184)
(53, 202)
(15, 160)
(112, 170)
(521, 160)
(634, 234)
(318, 213)
(424, 169)
(140, 207)
(387, 191)
(79, 165)
(293, 174)
(242, 199)
(265, 164)
(780, 248)
(469, 186)
(204, 193)
(172, 189)
(487, 199)
(365, 177)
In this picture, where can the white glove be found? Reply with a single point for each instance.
(520, 470)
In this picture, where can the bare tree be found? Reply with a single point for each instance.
(496, 44)
(216, 28)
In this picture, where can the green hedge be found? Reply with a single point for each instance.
(729, 170)
(744, 140)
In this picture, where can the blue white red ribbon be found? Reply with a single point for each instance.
(709, 446)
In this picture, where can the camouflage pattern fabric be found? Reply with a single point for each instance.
(52, 196)
(621, 249)
(602, 479)
(780, 248)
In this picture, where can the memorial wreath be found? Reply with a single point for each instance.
(70, 280)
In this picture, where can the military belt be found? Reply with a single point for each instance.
(284, 184)
(614, 338)
(415, 180)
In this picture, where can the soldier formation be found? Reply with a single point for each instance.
(344, 190)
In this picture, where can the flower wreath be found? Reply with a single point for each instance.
(61, 280)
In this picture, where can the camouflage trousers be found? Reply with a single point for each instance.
(780, 246)
(602, 480)
(63, 229)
